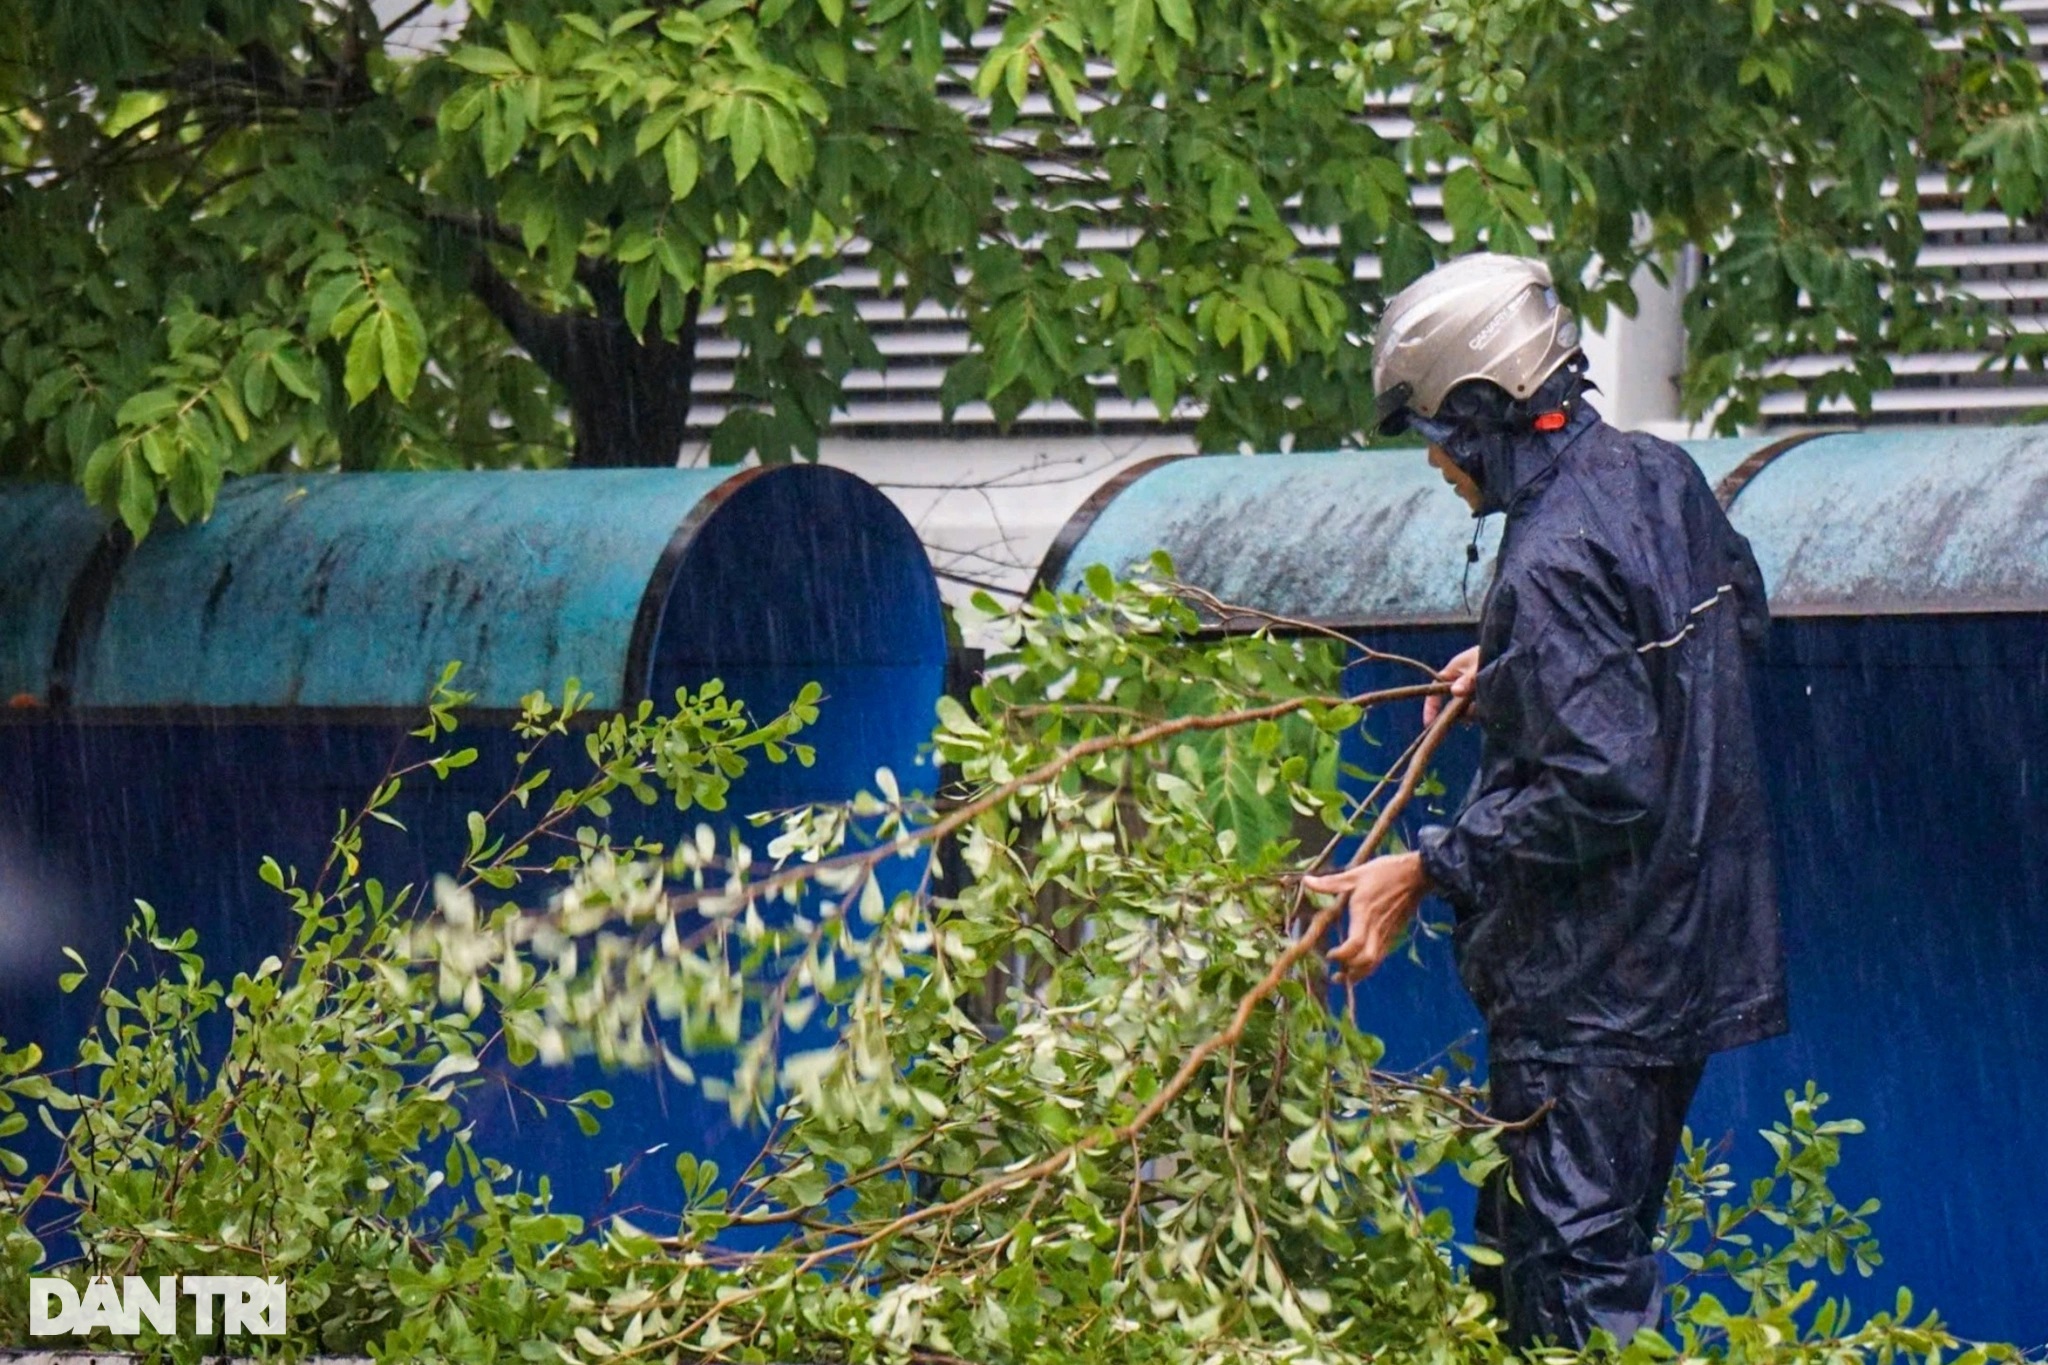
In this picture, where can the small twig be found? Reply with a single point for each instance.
(405, 18)
(1478, 1116)
(961, 816)
(1123, 1224)
(1226, 612)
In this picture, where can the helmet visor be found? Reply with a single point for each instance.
(1392, 409)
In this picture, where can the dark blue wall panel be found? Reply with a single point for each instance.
(1907, 762)
(783, 579)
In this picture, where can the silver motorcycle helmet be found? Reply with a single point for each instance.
(1482, 316)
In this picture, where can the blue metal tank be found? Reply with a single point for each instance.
(1903, 711)
(182, 708)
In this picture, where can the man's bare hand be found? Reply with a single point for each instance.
(1461, 672)
(1381, 896)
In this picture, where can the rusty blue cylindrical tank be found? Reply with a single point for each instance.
(221, 692)
(1903, 712)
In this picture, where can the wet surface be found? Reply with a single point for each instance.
(1904, 761)
(801, 576)
(1903, 718)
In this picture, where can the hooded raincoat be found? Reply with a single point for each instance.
(1610, 871)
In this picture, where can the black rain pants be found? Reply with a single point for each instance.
(1578, 1244)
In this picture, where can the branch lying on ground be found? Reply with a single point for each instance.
(1308, 942)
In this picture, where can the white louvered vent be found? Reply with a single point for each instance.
(2004, 265)
(901, 401)
(2000, 264)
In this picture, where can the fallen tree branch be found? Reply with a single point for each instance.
(1308, 942)
(961, 816)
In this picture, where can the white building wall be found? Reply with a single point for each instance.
(1636, 361)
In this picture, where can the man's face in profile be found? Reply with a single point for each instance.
(1457, 478)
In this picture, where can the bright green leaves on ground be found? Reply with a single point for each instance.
(1059, 1105)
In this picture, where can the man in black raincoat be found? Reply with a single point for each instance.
(1610, 871)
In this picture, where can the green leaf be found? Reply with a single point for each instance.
(746, 135)
(259, 388)
(643, 283)
(69, 982)
(1180, 17)
(401, 337)
(229, 404)
(675, 262)
(46, 396)
(657, 126)
(484, 61)
(524, 50)
(294, 370)
(831, 60)
(137, 498)
(341, 294)
(990, 74)
(502, 131)
(679, 162)
(1465, 203)
(787, 147)
(364, 369)
(102, 468)
(147, 407)
(460, 111)
(159, 451)
(1132, 37)
(1062, 86)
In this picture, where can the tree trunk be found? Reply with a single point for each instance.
(629, 398)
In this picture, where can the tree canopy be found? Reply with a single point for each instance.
(245, 234)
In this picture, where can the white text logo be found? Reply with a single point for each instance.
(248, 1306)
(1498, 321)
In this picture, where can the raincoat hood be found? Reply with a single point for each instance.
(1511, 465)
(1611, 867)
(1510, 447)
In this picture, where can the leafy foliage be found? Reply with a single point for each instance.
(249, 232)
(1165, 1145)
